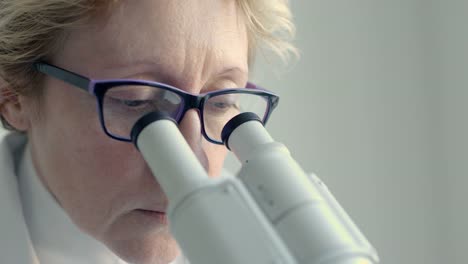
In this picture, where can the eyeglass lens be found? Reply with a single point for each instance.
(219, 109)
(123, 106)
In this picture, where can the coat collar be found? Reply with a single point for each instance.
(15, 245)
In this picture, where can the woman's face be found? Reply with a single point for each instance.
(103, 184)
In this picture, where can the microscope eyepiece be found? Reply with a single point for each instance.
(234, 123)
(145, 121)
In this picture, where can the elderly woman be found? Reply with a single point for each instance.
(73, 189)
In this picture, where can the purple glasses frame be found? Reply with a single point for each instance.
(98, 88)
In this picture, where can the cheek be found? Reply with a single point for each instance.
(93, 177)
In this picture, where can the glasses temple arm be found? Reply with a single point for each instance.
(64, 75)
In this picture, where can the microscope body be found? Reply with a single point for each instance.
(271, 213)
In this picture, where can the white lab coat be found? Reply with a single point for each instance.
(33, 227)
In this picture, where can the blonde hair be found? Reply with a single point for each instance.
(31, 30)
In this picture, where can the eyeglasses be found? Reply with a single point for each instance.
(122, 102)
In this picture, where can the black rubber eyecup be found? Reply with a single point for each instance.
(145, 121)
(234, 123)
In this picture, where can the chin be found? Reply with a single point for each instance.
(160, 248)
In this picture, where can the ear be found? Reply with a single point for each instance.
(12, 107)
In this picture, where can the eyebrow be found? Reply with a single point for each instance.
(161, 71)
(233, 69)
(138, 66)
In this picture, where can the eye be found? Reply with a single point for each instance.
(128, 103)
(134, 103)
(220, 105)
(138, 100)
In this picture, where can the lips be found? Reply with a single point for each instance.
(155, 216)
(152, 211)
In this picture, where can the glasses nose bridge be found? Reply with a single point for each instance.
(193, 102)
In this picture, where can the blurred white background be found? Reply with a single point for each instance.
(376, 108)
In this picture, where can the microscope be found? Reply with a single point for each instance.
(271, 212)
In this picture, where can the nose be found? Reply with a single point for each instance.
(190, 127)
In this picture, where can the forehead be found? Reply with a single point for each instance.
(177, 34)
